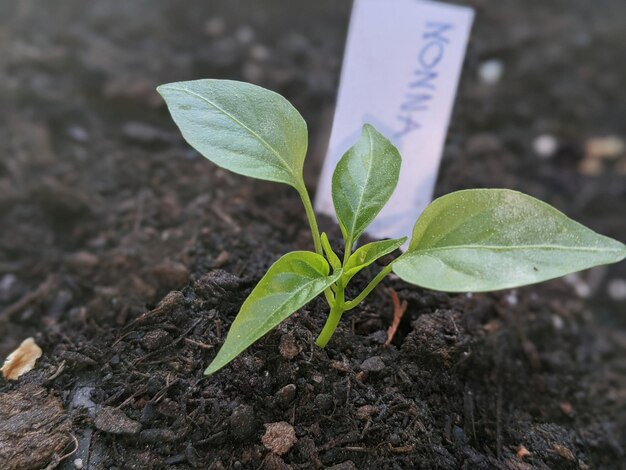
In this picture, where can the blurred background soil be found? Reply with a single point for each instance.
(106, 214)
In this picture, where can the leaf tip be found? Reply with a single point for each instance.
(368, 127)
(161, 88)
(212, 369)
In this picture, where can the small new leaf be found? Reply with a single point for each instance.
(290, 283)
(491, 239)
(363, 181)
(369, 253)
(332, 257)
(241, 127)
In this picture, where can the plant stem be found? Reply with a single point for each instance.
(333, 320)
(310, 215)
(347, 251)
(370, 287)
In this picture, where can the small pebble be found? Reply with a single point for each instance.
(490, 72)
(155, 339)
(324, 402)
(566, 407)
(511, 299)
(79, 134)
(366, 411)
(215, 27)
(460, 438)
(114, 421)
(279, 437)
(582, 289)
(545, 145)
(147, 414)
(617, 289)
(341, 366)
(244, 34)
(259, 52)
(78, 463)
(286, 395)
(373, 364)
(288, 347)
(242, 423)
(557, 322)
(8, 285)
(317, 378)
(82, 399)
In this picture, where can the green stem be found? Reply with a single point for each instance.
(310, 215)
(333, 320)
(347, 251)
(370, 287)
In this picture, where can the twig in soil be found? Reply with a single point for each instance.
(42, 291)
(402, 449)
(159, 396)
(139, 214)
(198, 343)
(165, 306)
(399, 309)
(348, 438)
(262, 462)
(57, 460)
(226, 218)
(173, 343)
(56, 373)
(141, 391)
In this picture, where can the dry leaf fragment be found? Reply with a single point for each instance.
(399, 308)
(604, 147)
(21, 360)
(522, 452)
(564, 452)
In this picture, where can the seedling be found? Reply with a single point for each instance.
(467, 241)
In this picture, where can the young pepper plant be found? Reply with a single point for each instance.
(467, 241)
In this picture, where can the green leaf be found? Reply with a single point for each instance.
(369, 253)
(333, 259)
(490, 239)
(363, 181)
(241, 127)
(291, 282)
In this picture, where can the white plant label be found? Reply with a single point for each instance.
(400, 73)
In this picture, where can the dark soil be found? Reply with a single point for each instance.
(126, 255)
